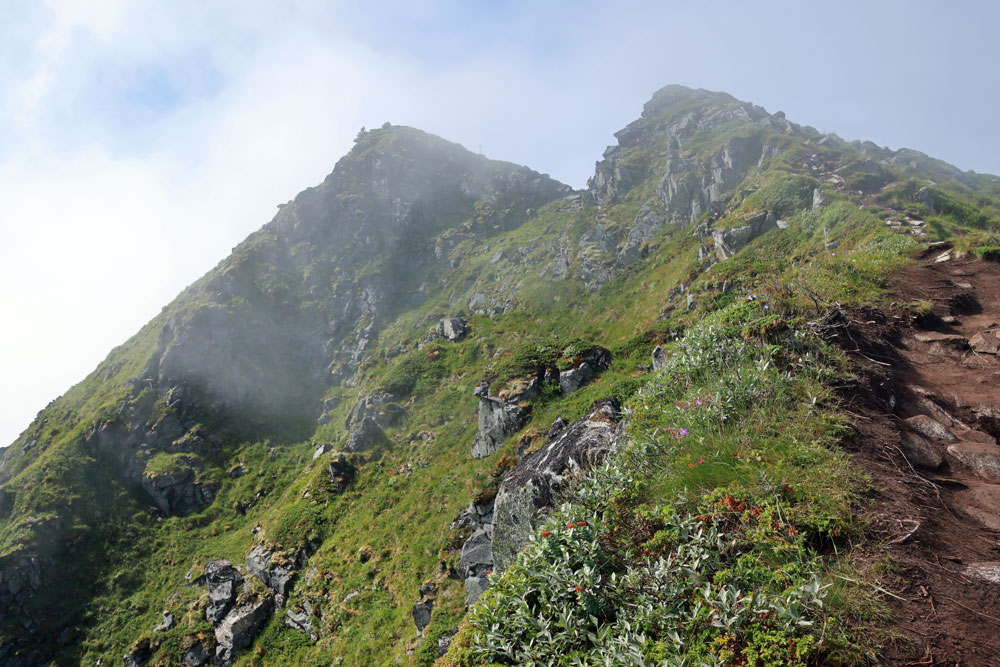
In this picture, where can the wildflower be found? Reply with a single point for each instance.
(488, 572)
(765, 306)
(581, 523)
(570, 524)
(683, 432)
(579, 588)
(546, 533)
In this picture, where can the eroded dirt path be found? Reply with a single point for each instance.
(927, 411)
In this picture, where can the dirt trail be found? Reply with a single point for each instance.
(927, 410)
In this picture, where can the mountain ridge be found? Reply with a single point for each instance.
(323, 313)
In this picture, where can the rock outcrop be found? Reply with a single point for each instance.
(497, 420)
(364, 435)
(223, 582)
(529, 491)
(593, 361)
(729, 241)
(380, 408)
(500, 526)
(452, 329)
(237, 630)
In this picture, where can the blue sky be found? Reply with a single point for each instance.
(140, 140)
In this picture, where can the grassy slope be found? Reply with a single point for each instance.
(389, 532)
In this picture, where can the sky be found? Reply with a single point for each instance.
(141, 140)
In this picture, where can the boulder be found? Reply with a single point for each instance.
(529, 491)
(364, 435)
(195, 655)
(452, 329)
(593, 361)
(926, 426)
(817, 199)
(238, 629)
(476, 563)
(574, 378)
(919, 452)
(659, 358)
(301, 620)
(497, 420)
(276, 575)
(986, 342)
(424, 607)
(166, 624)
(728, 242)
(223, 581)
(444, 642)
(983, 458)
(474, 588)
(380, 408)
(926, 197)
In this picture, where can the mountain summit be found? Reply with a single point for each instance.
(330, 446)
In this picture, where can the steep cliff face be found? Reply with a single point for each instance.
(391, 346)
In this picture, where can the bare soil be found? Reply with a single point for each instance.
(926, 410)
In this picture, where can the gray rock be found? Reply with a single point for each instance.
(380, 408)
(528, 492)
(926, 426)
(983, 458)
(444, 642)
(986, 342)
(452, 328)
(422, 614)
(195, 655)
(926, 197)
(238, 629)
(166, 624)
(728, 242)
(138, 655)
(645, 227)
(223, 581)
(301, 620)
(817, 199)
(477, 554)
(574, 378)
(659, 358)
(497, 420)
(691, 304)
(986, 571)
(474, 588)
(919, 452)
(558, 425)
(321, 450)
(177, 491)
(276, 576)
(477, 303)
(364, 436)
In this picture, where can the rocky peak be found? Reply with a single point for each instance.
(676, 121)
